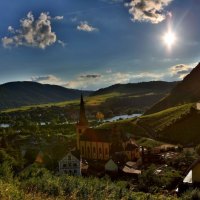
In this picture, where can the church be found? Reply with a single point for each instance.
(101, 144)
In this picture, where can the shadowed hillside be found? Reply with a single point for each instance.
(26, 93)
(138, 88)
(114, 100)
(187, 91)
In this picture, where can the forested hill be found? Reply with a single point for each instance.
(138, 88)
(187, 91)
(15, 94)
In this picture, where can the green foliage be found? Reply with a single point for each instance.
(5, 157)
(153, 181)
(148, 143)
(149, 181)
(6, 172)
(191, 195)
(10, 191)
(185, 158)
(38, 183)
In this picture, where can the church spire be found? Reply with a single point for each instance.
(82, 117)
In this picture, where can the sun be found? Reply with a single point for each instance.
(169, 39)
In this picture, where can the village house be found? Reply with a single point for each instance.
(193, 173)
(198, 105)
(71, 164)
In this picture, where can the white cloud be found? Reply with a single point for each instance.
(74, 19)
(179, 71)
(95, 81)
(107, 79)
(11, 29)
(32, 32)
(84, 26)
(59, 17)
(7, 41)
(47, 79)
(148, 10)
(108, 71)
(63, 44)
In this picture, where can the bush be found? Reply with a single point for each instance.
(10, 191)
(191, 195)
(6, 172)
(38, 179)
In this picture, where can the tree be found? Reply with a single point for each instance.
(100, 116)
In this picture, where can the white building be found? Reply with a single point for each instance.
(71, 164)
(198, 106)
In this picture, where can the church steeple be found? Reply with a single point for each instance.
(82, 124)
(82, 117)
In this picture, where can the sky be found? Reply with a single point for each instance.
(93, 44)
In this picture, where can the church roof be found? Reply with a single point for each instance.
(76, 153)
(131, 147)
(97, 135)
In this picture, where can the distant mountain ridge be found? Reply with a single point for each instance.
(16, 94)
(187, 91)
(130, 96)
(138, 88)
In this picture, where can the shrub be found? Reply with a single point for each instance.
(10, 191)
(191, 195)
(6, 172)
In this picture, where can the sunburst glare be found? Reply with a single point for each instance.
(169, 39)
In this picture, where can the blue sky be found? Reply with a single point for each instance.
(96, 43)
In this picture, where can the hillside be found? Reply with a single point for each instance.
(187, 91)
(152, 87)
(114, 100)
(134, 97)
(179, 125)
(16, 94)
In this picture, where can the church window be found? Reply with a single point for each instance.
(94, 150)
(100, 150)
(69, 164)
(106, 151)
(82, 150)
(88, 150)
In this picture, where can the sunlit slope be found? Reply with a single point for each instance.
(180, 125)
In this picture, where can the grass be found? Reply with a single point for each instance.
(148, 142)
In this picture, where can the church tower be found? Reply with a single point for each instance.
(82, 123)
